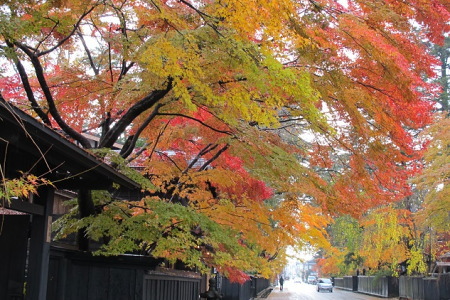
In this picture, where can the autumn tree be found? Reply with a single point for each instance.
(425, 215)
(433, 182)
(216, 102)
(433, 216)
(345, 235)
(442, 52)
(385, 240)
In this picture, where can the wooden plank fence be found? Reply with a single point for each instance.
(404, 287)
(160, 286)
(246, 291)
(75, 276)
(381, 286)
(425, 288)
(349, 283)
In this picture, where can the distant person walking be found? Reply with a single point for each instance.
(281, 282)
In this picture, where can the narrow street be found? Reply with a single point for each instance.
(302, 291)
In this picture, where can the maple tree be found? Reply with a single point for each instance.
(345, 235)
(432, 183)
(434, 180)
(442, 52)
(384, 241)
(425, 219)
(23, 186)
(215, 102)
(383, 244)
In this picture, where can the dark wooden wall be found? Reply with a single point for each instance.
(425, 288)
(245, 291)
(75, 276)
(13, 254)
(164, 287)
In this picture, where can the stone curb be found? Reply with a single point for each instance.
(264, 293)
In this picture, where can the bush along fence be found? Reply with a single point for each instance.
(404, 287)
(74, 275)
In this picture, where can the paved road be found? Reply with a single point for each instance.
(303, 291)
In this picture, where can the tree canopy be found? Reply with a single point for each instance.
(252, 122)
(414, 232)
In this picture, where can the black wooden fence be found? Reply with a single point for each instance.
(349, 283)
(160, 286)
(411, 287)
(405, 287)
(382, 286)
(75, 276)
(425, 288)
(261, 284)
(246, 291)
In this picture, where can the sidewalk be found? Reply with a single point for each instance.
(277, 294)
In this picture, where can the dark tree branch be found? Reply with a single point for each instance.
(215, 156)
(123, 26)
(75, 28)
(88, 52)
(204, 17)
(197, 120)
(28, 90)
(281, 127)
(50, 101)
(49, 34)
(157, 140)
(125, 69)
(127, 149)
(169, 158)
(206, 149)
(110, 61)
(292, 120)
(138, 108)
(224, 82)
(199, 12)
(136, 155)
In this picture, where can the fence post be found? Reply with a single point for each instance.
(354, 283)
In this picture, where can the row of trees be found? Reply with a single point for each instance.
(405, 238)
(252, 123)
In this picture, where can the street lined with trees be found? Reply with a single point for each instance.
(250, 125)
(303, 291)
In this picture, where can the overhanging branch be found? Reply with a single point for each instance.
(137, 109)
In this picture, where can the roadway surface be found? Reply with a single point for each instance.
(302, 291)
